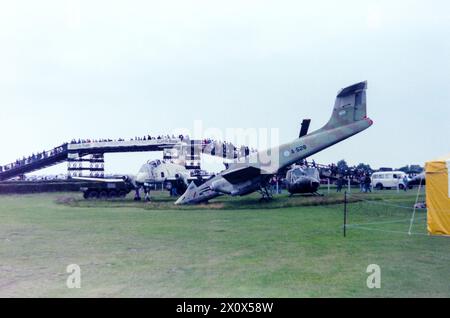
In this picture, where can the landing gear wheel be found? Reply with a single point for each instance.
(266, 194)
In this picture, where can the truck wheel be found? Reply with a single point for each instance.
(103, 195)
(92, 195)
(112, 194)
(122, 194)
(401, 186)
(379, 186)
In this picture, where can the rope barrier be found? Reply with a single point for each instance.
(381, 203)
(387, 222)
(386, 231)
(385, 210)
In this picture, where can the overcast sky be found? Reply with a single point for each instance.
(109, 69)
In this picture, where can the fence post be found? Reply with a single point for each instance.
(345, 213)
(328, 185)
(349, 190)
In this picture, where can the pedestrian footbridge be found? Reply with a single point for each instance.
(89, 156)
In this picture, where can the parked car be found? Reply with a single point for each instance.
(389, 179)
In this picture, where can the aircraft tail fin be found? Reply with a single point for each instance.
(350, 106)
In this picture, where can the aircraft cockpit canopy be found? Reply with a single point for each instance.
(155, 163)
(296, 174)
(301, 172)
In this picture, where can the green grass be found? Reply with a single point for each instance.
(234, 247)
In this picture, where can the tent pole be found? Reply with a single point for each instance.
(414, 210)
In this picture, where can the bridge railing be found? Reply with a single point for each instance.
(34, 158)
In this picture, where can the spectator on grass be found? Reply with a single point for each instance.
(405, 183)
(367, 182)
(362, 183)
(339, 184)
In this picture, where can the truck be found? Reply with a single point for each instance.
(109, 189)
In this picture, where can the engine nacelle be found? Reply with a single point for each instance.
(222, 186)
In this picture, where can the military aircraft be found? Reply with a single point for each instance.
(252, 173)
(300, 180)
(153, 172)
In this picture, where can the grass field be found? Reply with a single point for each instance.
(234, 247)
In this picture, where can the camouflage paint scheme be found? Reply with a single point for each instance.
(251, 173)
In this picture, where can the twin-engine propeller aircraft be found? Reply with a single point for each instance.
(252, 173)
(151, 173)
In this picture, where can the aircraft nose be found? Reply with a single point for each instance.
(180, 200)
(141, 177)
(188, 196)
(315, 185)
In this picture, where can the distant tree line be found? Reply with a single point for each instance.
(343, 168)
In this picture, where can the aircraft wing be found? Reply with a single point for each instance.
(105, 180)
(241, 174)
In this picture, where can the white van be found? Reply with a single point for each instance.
(388, 179)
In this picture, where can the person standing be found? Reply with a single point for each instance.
(339, 183)
(405, 183)
(273, 183)
(362, 183)
(367, 182)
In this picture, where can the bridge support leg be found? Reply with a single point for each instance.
(97, 165)
(84, 166)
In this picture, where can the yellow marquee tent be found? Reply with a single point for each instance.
(438, 195)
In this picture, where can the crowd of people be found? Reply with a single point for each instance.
(34, 158)
(364, 180)
(353, 173)
(136, 138)
(305, 163)
(225, 149)
(343, 176)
